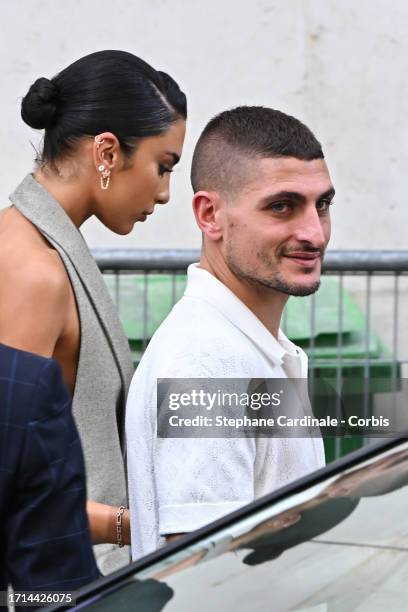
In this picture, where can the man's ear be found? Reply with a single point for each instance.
(207, 207)
(106, 151)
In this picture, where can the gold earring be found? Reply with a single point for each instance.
(105, 176)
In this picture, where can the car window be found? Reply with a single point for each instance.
(339, 545)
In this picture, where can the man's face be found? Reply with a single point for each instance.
(276, 229)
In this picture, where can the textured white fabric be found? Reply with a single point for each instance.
(177, 485)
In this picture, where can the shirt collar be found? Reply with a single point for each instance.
(205, 286)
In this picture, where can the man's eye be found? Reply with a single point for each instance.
(323, 205)
(279, 207)
(164, 169)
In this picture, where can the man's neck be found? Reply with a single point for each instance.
(267, 304)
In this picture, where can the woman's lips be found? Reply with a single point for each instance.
(144, 215)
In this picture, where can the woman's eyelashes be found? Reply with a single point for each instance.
(163, 169)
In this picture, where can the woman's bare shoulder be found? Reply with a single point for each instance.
(35, 289)
(26, 257)
(31, 268)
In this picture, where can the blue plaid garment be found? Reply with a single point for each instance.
(44, 534)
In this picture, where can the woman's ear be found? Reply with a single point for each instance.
(207, 207)
(106, 151)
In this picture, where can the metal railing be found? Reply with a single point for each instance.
(353, 326)
(165, 260)
(389, 265)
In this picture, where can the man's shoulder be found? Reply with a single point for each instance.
(196, 341)
(193, 319)
(29, 381)
(17, 365)
(34, 404)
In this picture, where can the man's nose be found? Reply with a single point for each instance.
(312, 229)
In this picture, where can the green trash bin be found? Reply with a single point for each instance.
(355, 353)
(145, 301)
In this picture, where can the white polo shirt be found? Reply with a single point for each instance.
(177, 485)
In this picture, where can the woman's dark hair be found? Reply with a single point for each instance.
(107, 91)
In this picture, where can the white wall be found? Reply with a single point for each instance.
(337, 65)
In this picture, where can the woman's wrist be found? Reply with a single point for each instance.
(103, 523)
(126, 527)
(120, 526)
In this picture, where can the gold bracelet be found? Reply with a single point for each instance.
(119, 516)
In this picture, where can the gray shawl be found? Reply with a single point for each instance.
(105, 366)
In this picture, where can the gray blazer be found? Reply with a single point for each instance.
(105, 365)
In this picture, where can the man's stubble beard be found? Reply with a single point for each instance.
(274, 281)
(281, 285)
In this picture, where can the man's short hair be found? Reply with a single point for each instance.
(228, 143)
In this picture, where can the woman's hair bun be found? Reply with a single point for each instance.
(39, 106)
